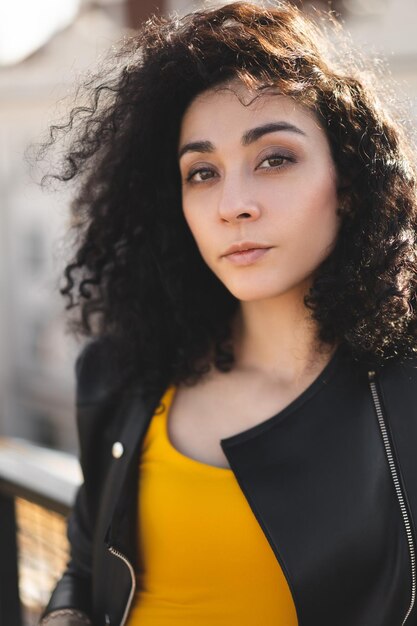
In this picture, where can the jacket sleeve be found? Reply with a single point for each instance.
(71, 601)
(73, 590)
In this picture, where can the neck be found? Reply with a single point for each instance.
(278, 338)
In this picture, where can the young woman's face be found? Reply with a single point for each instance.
(259, 175)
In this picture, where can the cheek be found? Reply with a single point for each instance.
(316, 226)
(321, 202)
(189, 217)
(198, 229)
(191, 222)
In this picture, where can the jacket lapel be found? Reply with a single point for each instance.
(120, 496)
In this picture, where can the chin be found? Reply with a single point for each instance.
(254, 290)
(251, 293)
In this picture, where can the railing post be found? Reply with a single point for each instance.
(10, 611)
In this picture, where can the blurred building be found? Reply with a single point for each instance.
(36, 356)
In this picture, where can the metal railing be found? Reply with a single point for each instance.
(37, 489)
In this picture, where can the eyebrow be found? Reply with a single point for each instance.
(250, 136)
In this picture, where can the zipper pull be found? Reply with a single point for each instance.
(371, 375)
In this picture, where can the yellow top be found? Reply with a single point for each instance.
(205, 559)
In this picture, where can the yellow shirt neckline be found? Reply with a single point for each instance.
(166, 402)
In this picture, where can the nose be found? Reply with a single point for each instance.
(237, 201)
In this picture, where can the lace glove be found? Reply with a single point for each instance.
(66, 617)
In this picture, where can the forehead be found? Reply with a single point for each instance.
(232, 107)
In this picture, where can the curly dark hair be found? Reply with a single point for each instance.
(137, 275)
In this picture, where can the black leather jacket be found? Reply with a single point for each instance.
(331, 479)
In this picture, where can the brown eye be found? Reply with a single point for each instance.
(202, 173)
(273, 161)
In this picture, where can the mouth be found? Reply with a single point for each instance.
(245, 246)
(247, 256)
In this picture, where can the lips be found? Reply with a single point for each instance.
(244, 246)
(247, 256)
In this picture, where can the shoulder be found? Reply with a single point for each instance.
(100, 399)
(399, 386)
(401, 370)
(98, 371)
(106, 396)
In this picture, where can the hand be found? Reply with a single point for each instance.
(66, 617)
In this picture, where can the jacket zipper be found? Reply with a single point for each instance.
(398, 490)
(122, 557)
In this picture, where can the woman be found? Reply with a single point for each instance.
(246, 263)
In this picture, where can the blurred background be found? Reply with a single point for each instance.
(45, 46)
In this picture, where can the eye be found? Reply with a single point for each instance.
(275, 162)
(200, 174)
